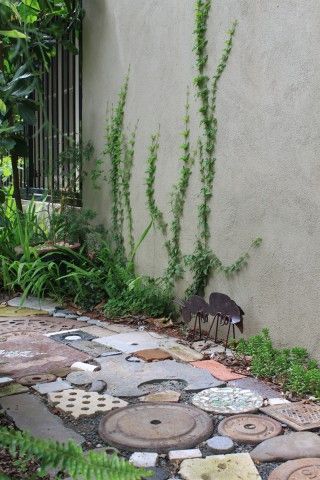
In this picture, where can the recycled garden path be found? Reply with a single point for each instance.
(157, 400)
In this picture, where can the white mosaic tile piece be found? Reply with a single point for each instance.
(86, 367)
(144, 459)
(81, 403)
(227, 400)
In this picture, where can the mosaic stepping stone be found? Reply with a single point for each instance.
(303, 469)
(81, 403)
(227, 400)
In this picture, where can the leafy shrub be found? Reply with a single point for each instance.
(68, 457)
(290, 367)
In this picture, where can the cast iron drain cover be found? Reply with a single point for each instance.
(297, 470)
(156, 427)
(299, 416)
(36, 378)
(249, 428)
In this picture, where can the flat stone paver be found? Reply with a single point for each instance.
(164, 396)
(12, 389)
(238, 466)
(33, 302)
(92, 348)
(81, 403)
(218, 370)
(287, 447)
(152, 354)
(123, 378)
(31, 354)
(50, 387)
(179, 455)
(227, 400)
(184, 353)
(30, 414)
(5, 381)
(133, 341)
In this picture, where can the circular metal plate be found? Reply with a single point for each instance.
(302, 469)
(156, 427)
(228, 400)
(249, 428)
(37, 378)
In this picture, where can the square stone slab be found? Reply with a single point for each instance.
(134, 341)
(12, 389)
(299, 416)
(152, 354)
(237, 466)
(29, 413)
(81, 403)
(218, 370)
(255, 385)
(32, 354)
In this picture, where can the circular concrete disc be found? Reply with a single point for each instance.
(249, 428)
(37, 378)
(228, 400)
(156, 427)
(302, 469)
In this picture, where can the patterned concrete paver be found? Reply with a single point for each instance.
(81, 403)
(30, 414)
(218, 370)
(238, 466)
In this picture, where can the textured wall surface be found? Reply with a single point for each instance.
(268, 153)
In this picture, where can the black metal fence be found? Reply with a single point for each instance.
(58, 128)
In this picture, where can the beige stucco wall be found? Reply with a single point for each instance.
(268, 153)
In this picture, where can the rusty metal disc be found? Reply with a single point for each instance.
(156, 427)
(302, 469)
(247, 428)
(36, 378)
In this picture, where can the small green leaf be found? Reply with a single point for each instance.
(13, 34)
(3, 107)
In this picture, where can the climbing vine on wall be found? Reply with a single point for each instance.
(203, 261)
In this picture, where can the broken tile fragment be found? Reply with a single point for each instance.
(184, 353)
(79, 403)
(144, 459)
(29, 413)
(49, 387)
(152, 354)
(237, 466)
(179, 455)
(86, 367)
(12, 389)
(218, 370)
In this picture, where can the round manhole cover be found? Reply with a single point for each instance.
(302, 469)
(37, 378)
(227, 400)
(156, 427)
(249, 428)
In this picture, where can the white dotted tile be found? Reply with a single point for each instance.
(81, 403)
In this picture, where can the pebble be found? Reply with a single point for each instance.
(97, 386)
(220, 444)
(144, 459)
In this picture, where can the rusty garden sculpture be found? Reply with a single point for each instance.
(222, 309)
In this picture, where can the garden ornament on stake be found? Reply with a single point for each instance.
(222, 308)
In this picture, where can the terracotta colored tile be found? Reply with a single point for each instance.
(151, 354)
(219, 371)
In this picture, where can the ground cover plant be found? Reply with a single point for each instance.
(68, 458)
(292, 368)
